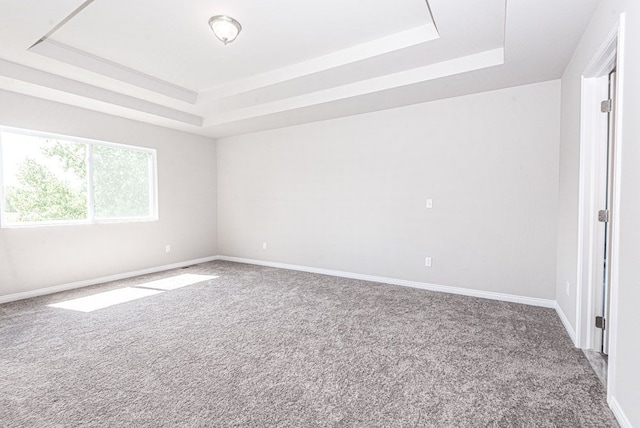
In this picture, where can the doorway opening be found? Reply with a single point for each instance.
(599, 203)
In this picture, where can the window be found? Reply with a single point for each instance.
(46, 179)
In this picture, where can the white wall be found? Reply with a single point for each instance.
(33, 258)
(349, 194)
(626, 358)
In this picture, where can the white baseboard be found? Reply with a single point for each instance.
(533, 301)
(619, 414)
(73, 285)
(566, 323)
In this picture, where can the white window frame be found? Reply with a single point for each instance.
(90, 144)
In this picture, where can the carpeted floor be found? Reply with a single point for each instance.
(264, 347)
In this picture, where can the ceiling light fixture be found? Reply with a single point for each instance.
(225, 28)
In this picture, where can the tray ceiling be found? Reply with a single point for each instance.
(293, 62)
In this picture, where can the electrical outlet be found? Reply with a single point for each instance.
(429, 203)
(567, 287)
(264, 245)
(427, 261)
(167, 248)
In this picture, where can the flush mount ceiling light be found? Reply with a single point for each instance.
(225, 28)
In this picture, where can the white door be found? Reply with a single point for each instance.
(607, 167)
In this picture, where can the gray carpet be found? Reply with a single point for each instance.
(264, 347)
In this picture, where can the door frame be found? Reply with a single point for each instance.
(610, 55)
(595, 90)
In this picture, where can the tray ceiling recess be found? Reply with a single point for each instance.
(294, 62)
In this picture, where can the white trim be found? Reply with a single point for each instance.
(533, 301)
(615, 239)
(619, 413)
(602, 62)
(61, 52)
(604, 58)
(51, 81)
(385, 45)
(464, 64)
(593, 128)
(599, 64)
(566, 323)
(86, 283)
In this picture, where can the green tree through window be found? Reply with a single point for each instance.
(48, 180)
(41, 194)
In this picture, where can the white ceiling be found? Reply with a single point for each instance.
(173, 42)
(294, 62)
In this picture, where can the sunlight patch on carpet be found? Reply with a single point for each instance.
(106, 299)
(175, 282)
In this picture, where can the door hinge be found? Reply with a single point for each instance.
(606, 106)
(600, 322)
(603, 216)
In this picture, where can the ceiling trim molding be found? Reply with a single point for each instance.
(404, 39)
(69, 55)
(64, 21)
(53, 81)
(452, 67)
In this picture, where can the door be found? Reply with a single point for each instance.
(605, 216)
